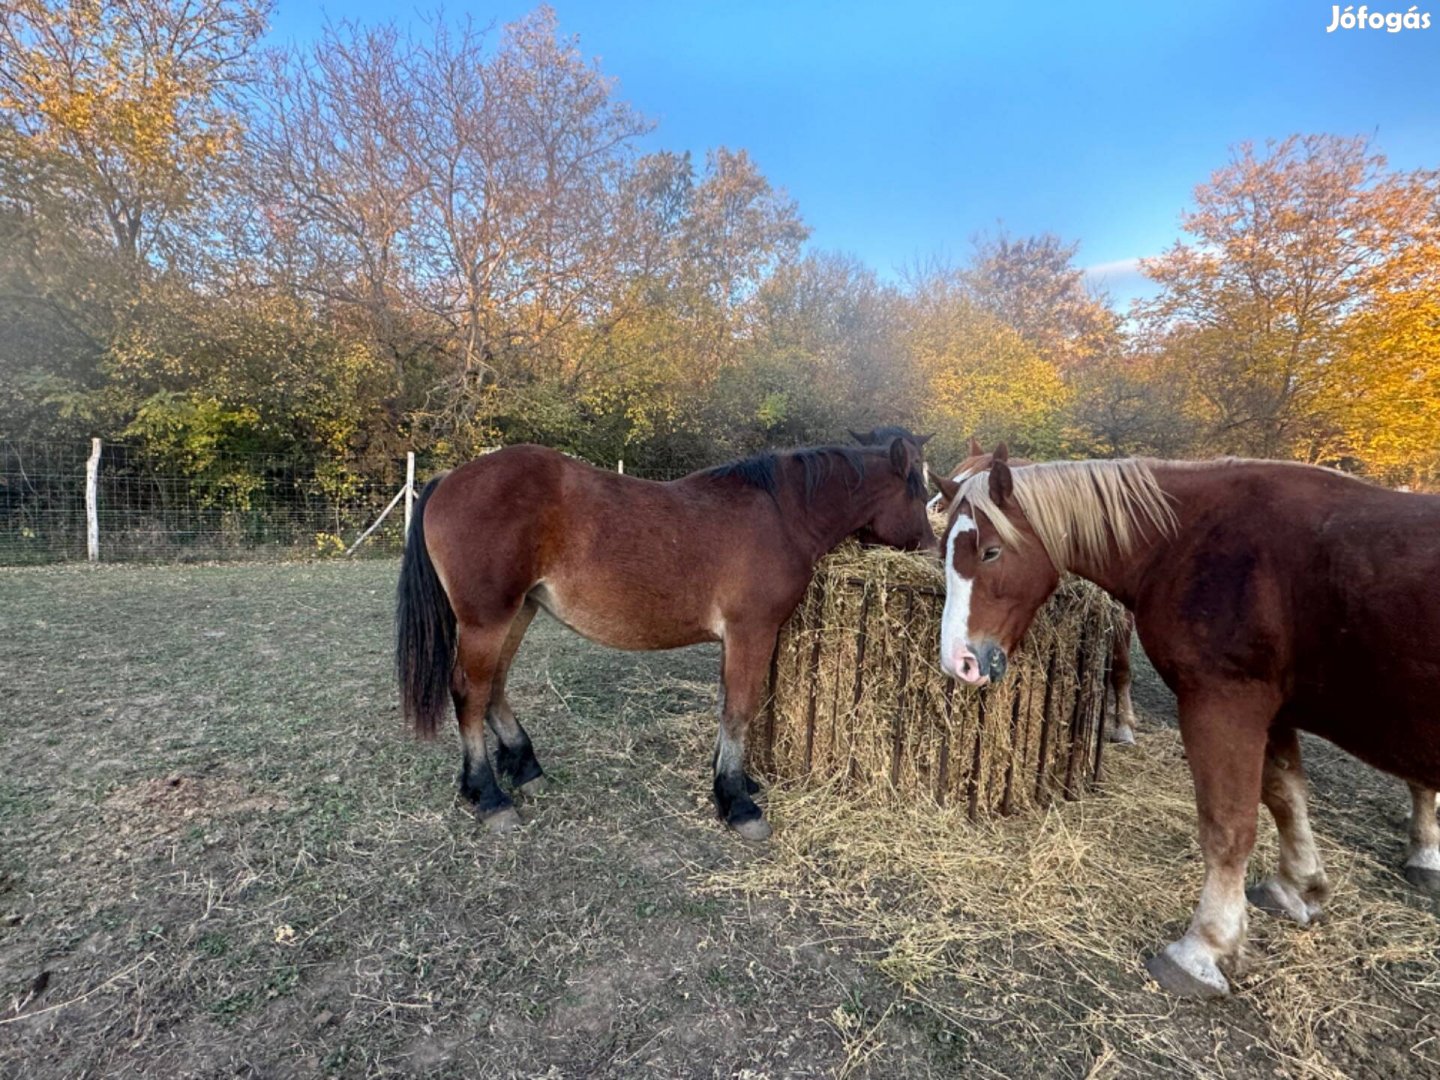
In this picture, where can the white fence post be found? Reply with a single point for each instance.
(620, 466)
(409, 488)
(92, 502)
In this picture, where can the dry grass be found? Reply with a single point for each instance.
(221, 855)
(1078, 894)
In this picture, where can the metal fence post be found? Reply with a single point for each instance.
(409, 488)
(92, 502)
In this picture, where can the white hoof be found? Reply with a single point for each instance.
(1125, 735)
(1276, 897)
(1422, 869)
(1185, 968)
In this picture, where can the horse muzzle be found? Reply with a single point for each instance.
(981, 665)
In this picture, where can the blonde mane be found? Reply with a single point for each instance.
(1076, 507)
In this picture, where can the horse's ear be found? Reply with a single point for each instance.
(868, 439)
(921, 440)
(1002, 484)
(976, 450)
(947, 487)
(900, 457)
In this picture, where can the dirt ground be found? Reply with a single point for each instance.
(220, 855)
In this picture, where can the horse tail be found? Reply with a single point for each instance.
(424, 630)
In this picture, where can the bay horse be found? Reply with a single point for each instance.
(723, 554)
(1272, 598)
(1122, 731)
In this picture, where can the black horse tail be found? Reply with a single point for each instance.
(424, 630)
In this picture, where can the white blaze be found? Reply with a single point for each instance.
(955, 620)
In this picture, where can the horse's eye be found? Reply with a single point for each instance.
(991, 554)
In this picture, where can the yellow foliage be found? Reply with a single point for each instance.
(1387, 382)
(131, 93)
(980, 378)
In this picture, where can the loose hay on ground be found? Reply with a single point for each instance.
(1062, 906)
(1048, 914)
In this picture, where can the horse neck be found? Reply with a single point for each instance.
(1117, 574)
(1122, 573)
(840, 505)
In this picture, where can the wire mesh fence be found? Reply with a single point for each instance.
(151, 506)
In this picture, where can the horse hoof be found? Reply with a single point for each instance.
(756, 828)
(1183, 975)
(1124, 736)
(537, 786)
(503, 821)
(1276, 898)
(1424, 879)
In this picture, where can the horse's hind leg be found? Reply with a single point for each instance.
(1124, 729)
(1300, 887)
(745, 667)
(514, 755)
(1422, 859)
(477, 659)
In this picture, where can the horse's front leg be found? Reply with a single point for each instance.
(744, 669)
(1224, 732)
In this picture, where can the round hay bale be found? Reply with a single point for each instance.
(858, 697)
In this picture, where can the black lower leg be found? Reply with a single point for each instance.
(733, 788)
(516, 759)
(477, 784)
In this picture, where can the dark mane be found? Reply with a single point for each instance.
(817, 462)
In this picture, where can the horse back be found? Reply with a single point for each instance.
(1323, 586)
(627, 562)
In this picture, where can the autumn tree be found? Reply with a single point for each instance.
(1289, 245)
(1131, 401)
(684, 345)
(118, 119)
(1032, 285)
(476, 190)
(1385, 377)
(125, 107)
(978, 375)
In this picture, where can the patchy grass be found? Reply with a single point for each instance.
(220, 855)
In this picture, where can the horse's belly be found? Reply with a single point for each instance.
(1394, 731)
(621, 619)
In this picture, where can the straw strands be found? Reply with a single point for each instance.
(859, 696)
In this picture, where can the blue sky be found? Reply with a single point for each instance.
(904, 128)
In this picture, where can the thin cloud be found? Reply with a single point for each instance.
(1118, 268)
(1121, 280)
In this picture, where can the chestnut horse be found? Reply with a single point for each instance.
(720, 555)
(1123, 729)
(1271, 598)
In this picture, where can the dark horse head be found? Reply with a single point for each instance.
(884, 436)
(884, 482)
(900, 519)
